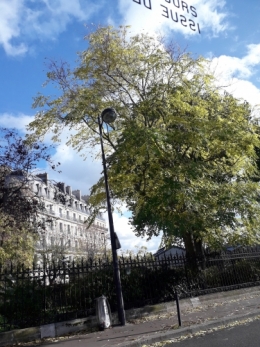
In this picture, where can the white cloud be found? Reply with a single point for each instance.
(18, 122)
(238, 67)
(233, 73)
(10, 12)
(165, 15)
(253, 56)
(76, 172)
(23, 20)
(127, 237)
(246, 90)
(212, 15)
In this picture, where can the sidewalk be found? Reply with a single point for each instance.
(200, 314)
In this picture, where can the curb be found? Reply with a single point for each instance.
(160, 337)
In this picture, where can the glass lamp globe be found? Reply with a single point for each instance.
(109, 115)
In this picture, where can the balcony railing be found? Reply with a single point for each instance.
(63, 215)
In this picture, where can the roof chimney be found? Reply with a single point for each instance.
(77, 194)
(43, 177)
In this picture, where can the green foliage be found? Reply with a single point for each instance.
(231, 272)
(16, 242)
(181, 154)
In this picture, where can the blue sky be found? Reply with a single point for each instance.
(33, 31)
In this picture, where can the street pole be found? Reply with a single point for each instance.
(105, 246)
(119, 295)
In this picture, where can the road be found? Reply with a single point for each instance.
(238, 336)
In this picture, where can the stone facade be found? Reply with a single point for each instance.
(65, 211)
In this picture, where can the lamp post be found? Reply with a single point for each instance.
(105, 246)
(108, 115)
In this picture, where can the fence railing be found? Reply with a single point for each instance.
(58, 292)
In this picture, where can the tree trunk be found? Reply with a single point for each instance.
(190, 250)
(194, 251)
(200, 254)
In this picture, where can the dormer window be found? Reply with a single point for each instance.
(39, 189)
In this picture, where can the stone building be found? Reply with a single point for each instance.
(63, 216)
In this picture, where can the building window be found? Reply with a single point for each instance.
(68, 229)
(60, 212)
(61, 227)
(39, 189)
(68, 215)
(76, 231)
(76, 244)
(74, 216)
(62, 242)
(69, 243)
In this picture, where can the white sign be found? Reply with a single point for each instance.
(195, 302)
(177, 11)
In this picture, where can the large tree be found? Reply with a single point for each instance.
(180, 153)
(188, 174)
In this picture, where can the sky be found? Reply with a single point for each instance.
(34, 31)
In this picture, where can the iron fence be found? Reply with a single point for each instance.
(58, 292)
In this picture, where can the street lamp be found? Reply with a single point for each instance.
(108, 116)
(105, 245)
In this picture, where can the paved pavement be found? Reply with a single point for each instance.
(234, 336)
(204, 313)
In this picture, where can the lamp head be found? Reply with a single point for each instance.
(108, 115)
